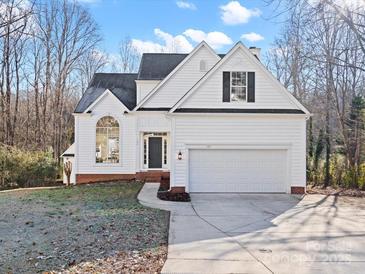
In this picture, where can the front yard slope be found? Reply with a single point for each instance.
(91, 228)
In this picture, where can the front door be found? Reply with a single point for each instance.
(155, 152)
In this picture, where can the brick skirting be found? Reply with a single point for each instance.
(297, 190)
(148, 176)
(177, 189)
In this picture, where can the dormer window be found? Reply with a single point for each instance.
(238, 86)
(203, 65)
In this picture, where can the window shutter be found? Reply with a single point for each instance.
(251, 87)
(226, 86)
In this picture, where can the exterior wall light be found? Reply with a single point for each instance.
(179, 156)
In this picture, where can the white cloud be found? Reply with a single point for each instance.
(182, 43)
(185, 5)
(215, 39)
(252, 37)
(169, 43)
(233, 13)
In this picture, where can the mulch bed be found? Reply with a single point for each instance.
(164, 194)
(335, 191)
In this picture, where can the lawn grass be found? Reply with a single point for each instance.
(59, 229)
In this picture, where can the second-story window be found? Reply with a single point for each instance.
(238, 86)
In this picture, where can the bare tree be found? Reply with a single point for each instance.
(88, 65)
(320, 58)
(44, 46)
(129, 57)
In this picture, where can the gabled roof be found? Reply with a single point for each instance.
(156, 66)
(122, 85)
(238, 45)
(175, 70)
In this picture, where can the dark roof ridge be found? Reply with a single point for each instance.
(117, 73)
(167, 53)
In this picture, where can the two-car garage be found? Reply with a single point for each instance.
(238, 170)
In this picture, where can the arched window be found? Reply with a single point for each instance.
(203, 66)
(107, 140)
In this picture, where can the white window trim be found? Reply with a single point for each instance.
(230, 88)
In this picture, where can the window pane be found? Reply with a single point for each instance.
(241, 79)
(107, 140)
(101, 145)
(235, 81)
(238, 78)
(238, 94)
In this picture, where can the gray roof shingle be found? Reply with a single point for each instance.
(156, 66)
(122, 85)
(153, 66)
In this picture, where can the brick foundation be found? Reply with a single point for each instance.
(177, 189)
(297, 190)
(148, 176)
(152, 175)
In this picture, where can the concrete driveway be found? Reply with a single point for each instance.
(267, 233)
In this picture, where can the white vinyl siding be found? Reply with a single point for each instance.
(86, 139)
(132, 125)
(267, 93)
(241, 131)
(144, 87)
(182, 80)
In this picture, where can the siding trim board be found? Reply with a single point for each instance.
(235, 110)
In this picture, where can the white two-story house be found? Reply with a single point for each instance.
(212, 122)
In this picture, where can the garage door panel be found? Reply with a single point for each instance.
(237, 170)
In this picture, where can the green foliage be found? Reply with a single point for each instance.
(314, 165)
(20, 168)
(361, 179)
(342, 175)
(347, 167)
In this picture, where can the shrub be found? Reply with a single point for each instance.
(341, 175)
(362, 176)
(20, 168)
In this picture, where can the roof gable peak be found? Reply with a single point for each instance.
(239, 46)
(177, 68)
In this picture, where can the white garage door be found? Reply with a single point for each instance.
(228, 170)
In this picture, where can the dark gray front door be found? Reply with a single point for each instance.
(155, 152)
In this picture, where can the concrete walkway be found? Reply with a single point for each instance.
(266, 233)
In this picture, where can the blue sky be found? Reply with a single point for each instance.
(178, 25)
